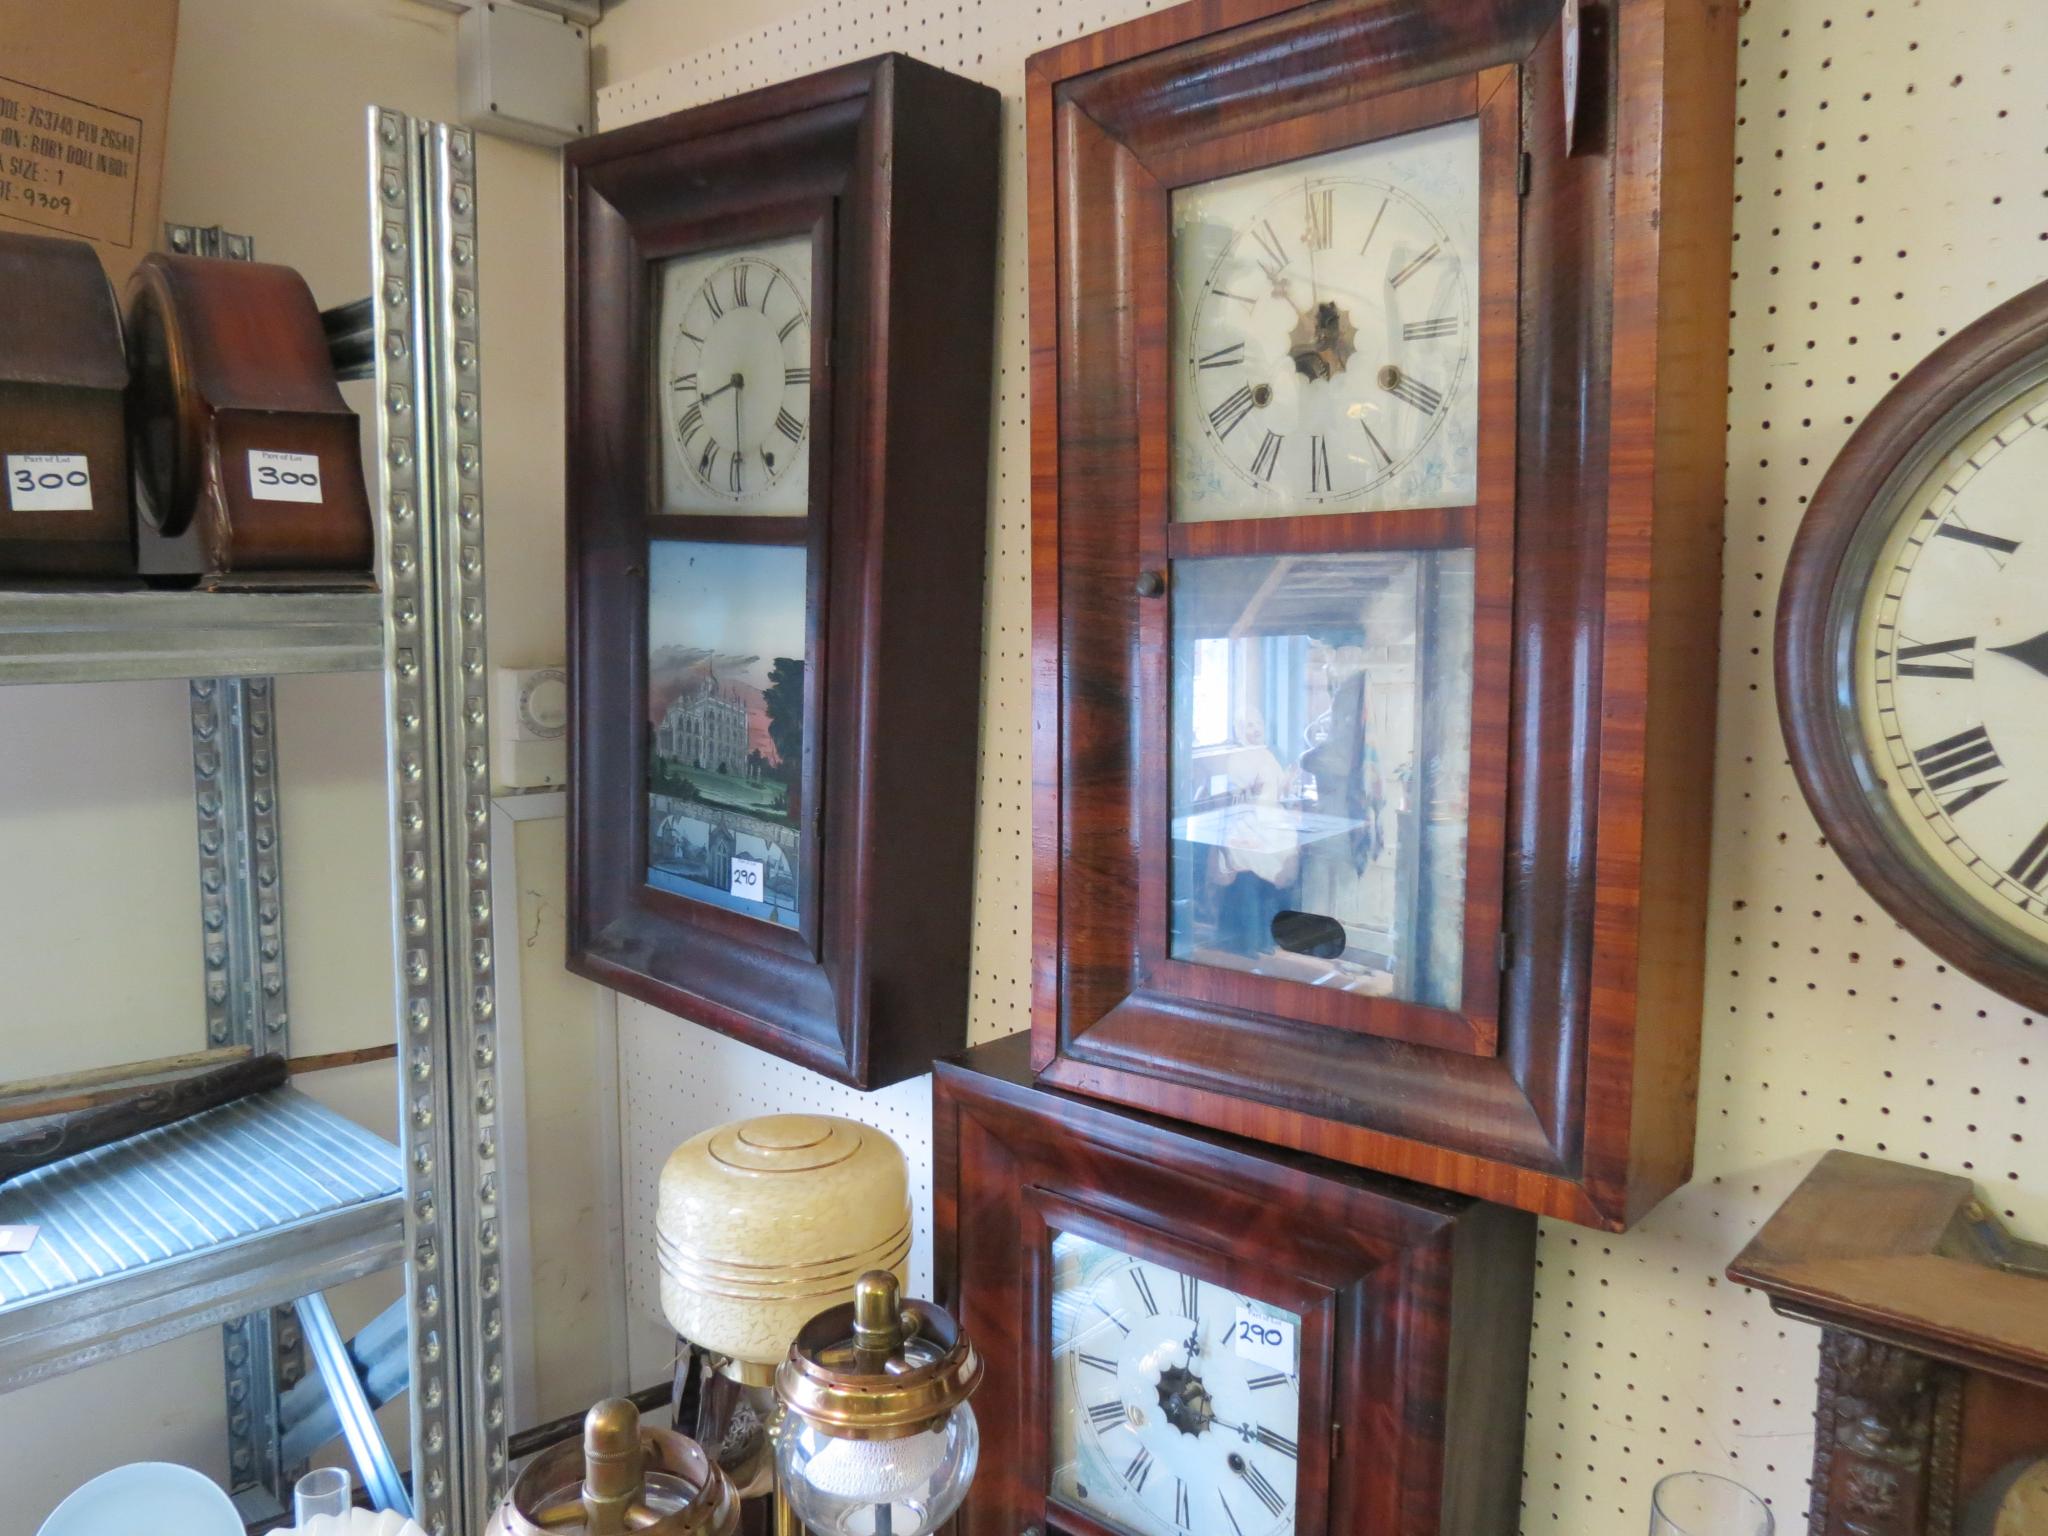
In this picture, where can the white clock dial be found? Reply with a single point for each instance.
(1951, 665)
(734, 380)
(1176, 1402)
(1325, 335)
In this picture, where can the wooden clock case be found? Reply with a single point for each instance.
(63, 388)
(1566, 1084)
(1933, 1386)
(1414, 1304)
(229, 359)
(891, 167)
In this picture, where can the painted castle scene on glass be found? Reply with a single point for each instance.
(725, 700)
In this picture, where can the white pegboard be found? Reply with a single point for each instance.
(1892, 185)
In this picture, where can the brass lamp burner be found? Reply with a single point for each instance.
(623, 1477)
(879, 1368)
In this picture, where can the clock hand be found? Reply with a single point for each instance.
(734, 383)
(2032, 653)
(739, 388)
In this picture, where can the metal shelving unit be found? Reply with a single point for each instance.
(242, 1216)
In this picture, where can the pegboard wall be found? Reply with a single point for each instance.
(1891, 186)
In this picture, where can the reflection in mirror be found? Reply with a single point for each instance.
(1321, 720)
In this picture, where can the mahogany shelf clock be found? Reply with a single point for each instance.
(1378, 442)
(1913, 651)
(781, 319)
(1187, 1334)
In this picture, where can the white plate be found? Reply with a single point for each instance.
(361, 1522)
(153, 1496)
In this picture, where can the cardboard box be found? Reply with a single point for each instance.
(85, 93)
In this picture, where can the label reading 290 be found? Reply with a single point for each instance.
(747, 879)
(283, 476)
(1267, 1340)
(49, 482)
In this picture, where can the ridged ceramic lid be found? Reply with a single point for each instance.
(783, 1191)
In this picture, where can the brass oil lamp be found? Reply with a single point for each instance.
(623, 1477)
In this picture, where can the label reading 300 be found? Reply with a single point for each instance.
(49, 482)
(283, 476)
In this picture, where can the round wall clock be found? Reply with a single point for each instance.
(1913, 651)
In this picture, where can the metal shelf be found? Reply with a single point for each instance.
(243, 1208)
(99, 637)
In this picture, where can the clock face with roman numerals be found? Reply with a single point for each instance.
(1951, 663)
(1176, 1405)
(1325, 345)
(733, 390)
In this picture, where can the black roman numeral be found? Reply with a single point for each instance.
(1190, 1297)
(1122, 1326)
(739, 285)
(1260, 1383)
(2031, 867)
(1416, 393)
(1233, 410)
(711, 300)
(1181, 1513)
(1273, 261)
(1139, 1469)
(1268, 456)
(1413, 267)
(1990, 541)
(789, 426)
(1100, 1362)
(1318, 464)
(1225, 293)
(691, 334)
(1145, 1292)
(1230, 1513)
(1267, 1494)
(1106, 1415)
(1222, 357)
(1954, 659)
(789, 327)
(690, 423)
(773, 274)
(1379, 449)
(1426, 330)
(1375, 229)
(795, 376)
(1322, 218)
(1965, 755)
(1280, 1443)
(710, 457)
(686, 381)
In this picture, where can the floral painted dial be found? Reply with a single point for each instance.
(1326, 345)
(1176, 1402)
(735, 380)
(1951, 664)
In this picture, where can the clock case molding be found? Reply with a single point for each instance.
(1414, 1304)
(1816, 623)
(891, 167)
(1567, 1085)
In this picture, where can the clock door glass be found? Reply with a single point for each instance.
(1951, 666)
(733, 385)
(1322, 730)
(1176, 1402)
(1325, 350)
(725, 712)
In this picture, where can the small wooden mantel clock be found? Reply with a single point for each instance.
(781, 323)
(1187, 1335)
(1378, 375)
(1932, 1409)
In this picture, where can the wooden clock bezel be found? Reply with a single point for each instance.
(1576, 1099)
(889, 166)
(1414, 1304)
(1893, 443)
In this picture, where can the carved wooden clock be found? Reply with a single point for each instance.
(781, 324)
(1378, 450)
(1913, 651)
(1190, 1336)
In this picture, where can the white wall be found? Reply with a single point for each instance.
(1889, 192)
